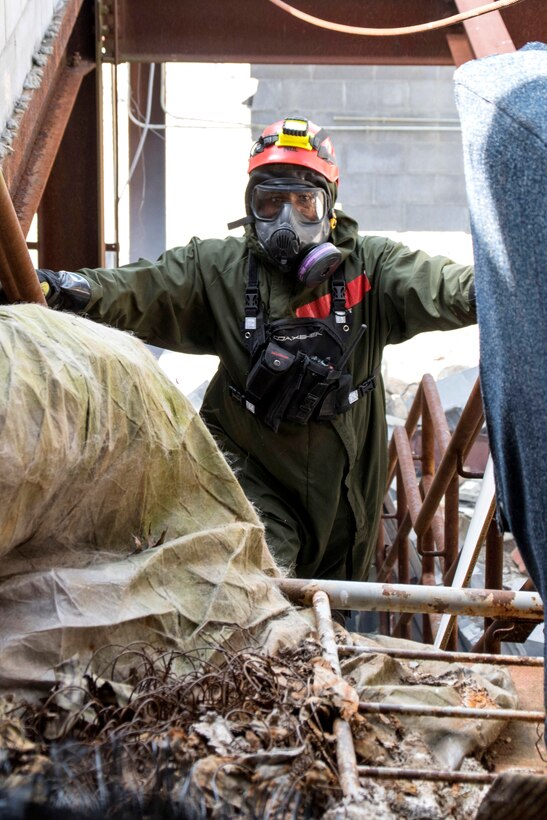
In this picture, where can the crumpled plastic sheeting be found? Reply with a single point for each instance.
(382, 678)
(120, 520)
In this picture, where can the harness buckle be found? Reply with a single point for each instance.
(365, 387)
(251, 301)
(236, 394)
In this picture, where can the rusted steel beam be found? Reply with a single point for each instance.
(31, 119)
(70, 225)
(241, 32)
(422, 710)
(487, 35)
(33, 179)
(9, 284)
(374, 597)
(445, 657)
(460, 48)
(345, 750)
(17, 270)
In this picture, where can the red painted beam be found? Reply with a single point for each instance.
(487, 34)
(256, 31)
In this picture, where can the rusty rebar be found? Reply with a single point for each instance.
(396, 773)
(447, 657)
(345, 750)
(370, 707)
(17, 272)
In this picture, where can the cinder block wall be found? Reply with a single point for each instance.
(403, 171)
(23, 24)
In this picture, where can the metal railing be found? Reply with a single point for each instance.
(426, 462)
(323, 594)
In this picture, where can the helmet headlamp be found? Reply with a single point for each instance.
(295, 134)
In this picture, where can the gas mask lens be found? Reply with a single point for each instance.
(308, 204)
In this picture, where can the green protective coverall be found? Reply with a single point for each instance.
(318, 487)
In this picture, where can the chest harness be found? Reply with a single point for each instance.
(298, 367)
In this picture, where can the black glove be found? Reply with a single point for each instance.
(49, 282)
(64, 290)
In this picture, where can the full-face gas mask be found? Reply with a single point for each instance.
(293, 179)
(292, 223)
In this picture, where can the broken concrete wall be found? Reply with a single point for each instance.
(23, 24)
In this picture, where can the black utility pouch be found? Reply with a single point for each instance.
(269, 372)
(316, 382)
(272, 382)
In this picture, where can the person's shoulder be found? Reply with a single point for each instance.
(214, 250)
(372, 247)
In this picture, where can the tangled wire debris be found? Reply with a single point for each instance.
(244, 736)
(218, 732)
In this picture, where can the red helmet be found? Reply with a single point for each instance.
(295, 141)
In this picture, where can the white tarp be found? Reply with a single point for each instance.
(120, 520)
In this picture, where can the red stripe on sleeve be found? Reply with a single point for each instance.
(356, 289)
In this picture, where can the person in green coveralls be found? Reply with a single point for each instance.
(298, 310)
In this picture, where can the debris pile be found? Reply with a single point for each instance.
(241, 734)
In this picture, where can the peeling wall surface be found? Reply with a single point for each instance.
(23, 24)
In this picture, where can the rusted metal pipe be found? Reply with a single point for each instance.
(8, 282)
(459, 445)
(403, 574)
(362, 595)
(410, 426)
(432, 400)
(345, 750)
(407, 472)
(370, 707)
(395, 773)
(16, 269)
(446, 657)
(393, 552)
(323, 620)
(493, 574)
